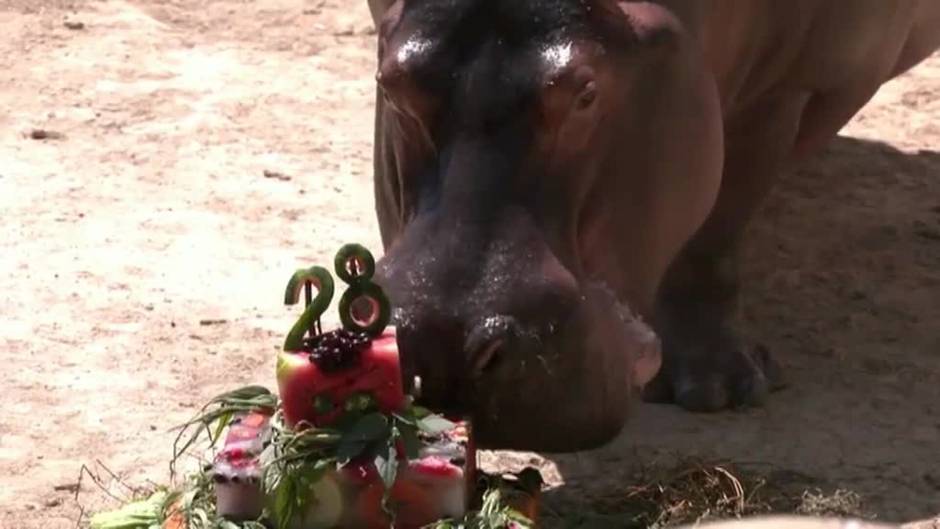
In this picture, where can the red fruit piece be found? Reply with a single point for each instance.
(426, 490)
(360, 473)
(436, 467)
(377, 373)
(414, 506)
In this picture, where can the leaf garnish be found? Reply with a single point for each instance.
(217, 414)
(435, 425)
(387, 466)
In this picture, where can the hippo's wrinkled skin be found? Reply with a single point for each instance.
(547, 168)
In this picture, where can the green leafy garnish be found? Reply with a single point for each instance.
(493, 514)
(368, 430)
(435, 425)
(217, 414)
(387, 466)
(358, 435)
(195, 505)
(143, 514)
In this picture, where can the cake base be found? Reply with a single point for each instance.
(438, 484)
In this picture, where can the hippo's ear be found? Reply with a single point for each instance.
(639, 22)
(378, 9)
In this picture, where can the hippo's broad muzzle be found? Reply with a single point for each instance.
(571, 389)
(503, 333)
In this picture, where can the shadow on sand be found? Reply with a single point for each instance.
(842, 283)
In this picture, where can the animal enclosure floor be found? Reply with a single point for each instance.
(164, 165)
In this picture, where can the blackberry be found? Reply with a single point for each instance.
(337, 350)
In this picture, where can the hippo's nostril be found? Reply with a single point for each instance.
(487, 342)
(487, 359)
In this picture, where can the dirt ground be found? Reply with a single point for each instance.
(199, 151)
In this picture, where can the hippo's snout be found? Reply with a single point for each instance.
(500, 331)
(464, 342)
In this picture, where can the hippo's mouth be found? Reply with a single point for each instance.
(571, 388)
(561, 386)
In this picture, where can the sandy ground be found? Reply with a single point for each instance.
(148, 212)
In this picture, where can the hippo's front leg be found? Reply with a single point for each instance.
(705, 365)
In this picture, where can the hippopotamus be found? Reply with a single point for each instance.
(562, 189)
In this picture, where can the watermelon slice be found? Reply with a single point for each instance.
(316, 393)
(432, 487)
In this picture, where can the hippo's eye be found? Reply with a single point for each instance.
(386, 96)
(587, 97)
(398, 90)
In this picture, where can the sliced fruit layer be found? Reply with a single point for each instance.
(317, 396)
(426, 489)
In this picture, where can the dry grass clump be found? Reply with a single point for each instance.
(693, 491)
(841, 503)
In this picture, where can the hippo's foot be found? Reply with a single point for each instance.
(706, 369)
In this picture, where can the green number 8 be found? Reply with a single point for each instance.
(364, 306)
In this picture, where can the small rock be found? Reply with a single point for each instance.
(53, 502)
(276, 175)
(927, 232)
(859, 295)
(43, 134)
(73, 25)
(206, 323)
(66, 487)
(932, 481)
